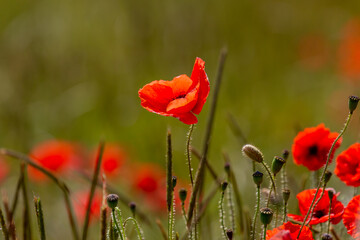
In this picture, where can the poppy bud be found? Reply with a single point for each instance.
(277, 164)
(112, 200)
(174, 181)
(229, 234)
(132, 207)
(258, 178)
(353, 102)
(285, 154)
(224, 186)
(331, 194)
(286, 195)
(326, 236)
(253, 153)
(227, 167)
(182, 194)
(266, 215)
(327, 176)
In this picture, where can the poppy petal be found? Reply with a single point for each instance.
(184, 104)
(199, 75)
(181, 85)
(187, 118)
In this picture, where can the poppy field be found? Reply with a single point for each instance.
(179, 120)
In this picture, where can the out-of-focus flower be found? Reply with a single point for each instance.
(348, 166)
(349, 51)
(57, 156)
(289, 231)
(180, 98)
(351, 217)
(311, 147)
(80, 200)
(313, 51)
(321, 211)
(4, 169)
(113, 159)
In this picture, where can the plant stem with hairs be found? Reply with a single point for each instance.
(256, 212)
(40, 217)
(188, 154)
(3, 226)
(137, 226)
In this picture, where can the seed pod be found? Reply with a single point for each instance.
(258, 178)
(277, 164)
(224, 186)
(229, 234)
(331, 194)
(112, 200)
(266, 215)
(132, 207)
(353, 102)
(253, 153)
(174, 181)
(326, 236)
(286, 195)
(182, 194)
(327, 176)
(285, 154)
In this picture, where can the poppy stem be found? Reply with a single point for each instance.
(199, 172)
(93, 187)
(256, 213)
(329, 223)
(26, 220)
(325, 168)
(137, 226)
(40, 217)
(103, 222)
(222, 214)
(169, 185)
(265, 227)
(271, 177)
(316, 203)
(162, 229)
(231, 204)
(188, 153)
(3, 226)
(116, 224)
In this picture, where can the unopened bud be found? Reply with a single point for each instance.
(132, 207)
(286, 195)
(277, 164)
(326, 236)
(353, 102)
(112, 200)
(182, 194)
(266, 215)
(285, 154)
(327, 176)
(258, 178)
(174, 181)
(224, 186)
(229, 234)
(331, 194)
(253, 153)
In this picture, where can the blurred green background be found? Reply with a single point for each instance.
(71, 70)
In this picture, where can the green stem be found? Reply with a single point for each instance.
(40, 217)
(316, 203)
(3, 226)
(138, 229)
(285, 212)
(222, 213)
(323, 173)
(26, 220)
(116, 224)
(265, 227)
(270, 175)
(188, 153)
(270, 192)
(329, 223)
(256, 213)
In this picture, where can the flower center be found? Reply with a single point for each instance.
(313, 150)
(319, 214)
(181, 96)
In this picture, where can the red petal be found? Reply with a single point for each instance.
(199, 75)
(183, 105)
(187, 118)
(181, 85)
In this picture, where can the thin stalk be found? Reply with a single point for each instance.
(317, 201)
(116, 224)
(222, 213)
(162, 229)
(256, 213)
(270, 192)
(210, 122)
(169, 185)
(112, 230)
(57, 181)
(335, 235)
(325, 168)
(265, 227)
(26, 220)
(188, 153)
(231, 206)
(270, 175)
(285, 212)
(283, 177)
(3, 226)
(103, 223)
(16, 196)
(329, 223)
(138, 229)
(40, 217)
(92, 188)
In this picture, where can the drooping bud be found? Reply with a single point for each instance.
(224, 186)
(277, 164)
(353, 102)
(326, 236)
(182, 194)
(258, 178)
(331, 194)
(327, 176)
(266, 215)
(112, 200)
(174, 181)
(132, 206)
(229, 234)
(285, 154)
(286, 195)
(253, 153)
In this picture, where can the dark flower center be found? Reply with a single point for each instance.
(313, 150)
(319, 214)
(180, 96)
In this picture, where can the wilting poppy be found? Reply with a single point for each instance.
(80, 200)
(180, 98)
(311, 147)
(57, 156)
(351, 217)
(113, 159)
(289, 231)
(348, 166)
(321, 211)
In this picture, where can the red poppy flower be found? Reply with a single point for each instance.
(81, 199)
(113, 159)
(180, 98)
(348, 165)
(289, 231)
(321, 211)
(311, 147)
(56, 156)
(351, 217)
(349, 51)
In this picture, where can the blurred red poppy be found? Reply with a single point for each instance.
(351, 217)
(348, 166)
(81, 199)
(57, 156)
(313, 51)
(311, 147)
(113, 159)
(289, 231)
(321, 211)
(349, 51)
(180, 98)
